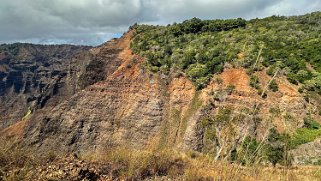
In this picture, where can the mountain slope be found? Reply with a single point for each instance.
(32, 74)
(207, 86)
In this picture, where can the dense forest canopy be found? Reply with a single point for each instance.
(202, 48)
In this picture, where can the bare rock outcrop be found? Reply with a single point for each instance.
(83, 99)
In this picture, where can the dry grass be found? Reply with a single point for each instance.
(14, 161)
(17, 163)
(139, 165)
(205, 169)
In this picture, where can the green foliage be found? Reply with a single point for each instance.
(310, 132)
(278, 153)
(304, 135)
(275, 111)
(230, 88)
(196, 25)
(200, 48)
(249, 152)
(195, 71)
(223, 115)
(271, 70)
(273, 86)
(254, 82)
(311, 124)
(278, 147)
(314, 84)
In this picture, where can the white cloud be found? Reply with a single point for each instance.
(95, 21)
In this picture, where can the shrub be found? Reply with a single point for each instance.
(278, 148)
(248, 153)
(304, 135)
(261, 93)
(276, 154)
(273, 86)
(230, 88)
(202, 82)
(287, 46)
(195, 71)
(254, 82)
(311, 124)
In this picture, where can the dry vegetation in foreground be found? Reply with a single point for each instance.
(17, 163)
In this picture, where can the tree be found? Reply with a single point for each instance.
(193, 25)
(195, 71)
(227, 131)
(315, 83)
(188, 59)
(278, 148)
(276, 153)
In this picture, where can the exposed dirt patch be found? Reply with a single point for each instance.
(181, 93)
(287, 89)
(236, 77)
(130, 67)
(16, 130)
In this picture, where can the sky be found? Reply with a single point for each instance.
(92, 22)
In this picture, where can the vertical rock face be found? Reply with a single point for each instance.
(32, 76)
(120, 104)
(84, 99)
(124, 108)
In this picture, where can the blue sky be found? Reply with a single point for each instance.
(92, 22)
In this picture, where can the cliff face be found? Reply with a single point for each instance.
(129, 107)
(85, 99)
(35, 76)
(125, 106)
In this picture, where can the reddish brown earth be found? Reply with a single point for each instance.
(95, 98)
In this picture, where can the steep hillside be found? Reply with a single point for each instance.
(243, 91)
(34, 76)
(259, 79)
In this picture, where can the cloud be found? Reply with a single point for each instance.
(95, 21)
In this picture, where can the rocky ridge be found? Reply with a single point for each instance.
(103, 97)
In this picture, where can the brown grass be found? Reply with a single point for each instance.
(15, 130)
(139, 165)
(17, 163)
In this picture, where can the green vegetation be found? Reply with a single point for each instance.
(310, 132)
(273, 86)
(311, 124)
(278, 148)
(201, 48)
(254, 82)
(249, 152)
(304, 135)
(230, 88)
(273, 148)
